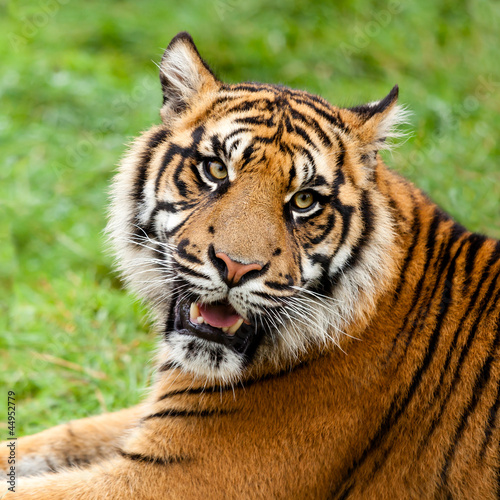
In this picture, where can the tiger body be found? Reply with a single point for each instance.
(366, 364)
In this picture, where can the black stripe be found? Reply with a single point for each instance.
(190, 272)
(172, 413)
(259, 139)
(182, 187)
(447, 361)
(280, 300)
(253, 110)
(183, 253)
(255, 120)
(216, 146)
(443, 259)
(417, 292)
(234, 133)
(292, 174)
(480, 383)
(138, 457)
(476, 243)
(247, 155)
(314, 125)
(492, 416)
(184, 153)
(490, 424)
(275, 285)
(366, 212)
(339, 162)
(328, 282)
(472, 331)
(197, 390)
(446, 296)
(345, 211)
(396, 212)
(171, 208)
(155, 140)
(168, 156)
(403, 398)
(244, 385)
(200, 183)
(325, 229)
(302, 133)
(415, 231)
(175, 229)
(458, 370)
(310, 157)
(169, 365)
(319, 180)
(368, 227)
(234, 145)
(328, 115)
(249, 87)
(316, 103)
(446, 300)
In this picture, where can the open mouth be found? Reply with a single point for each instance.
(217, 322)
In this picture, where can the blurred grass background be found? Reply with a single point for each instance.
(78, 82)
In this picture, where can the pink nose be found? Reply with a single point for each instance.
(236, 270)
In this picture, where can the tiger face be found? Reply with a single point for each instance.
(251, 219)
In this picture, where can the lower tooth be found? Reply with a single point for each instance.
(225, 329)
(200, 320)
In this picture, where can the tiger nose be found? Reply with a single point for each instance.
(236, 270)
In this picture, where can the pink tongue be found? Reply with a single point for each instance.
(219, 316)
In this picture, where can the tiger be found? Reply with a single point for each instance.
(326, 331)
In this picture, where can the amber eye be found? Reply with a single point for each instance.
(215, 170)
(303, 200)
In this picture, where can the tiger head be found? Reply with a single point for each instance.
(251, 219)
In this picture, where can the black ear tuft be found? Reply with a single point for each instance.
(366, 111)
(183, 35)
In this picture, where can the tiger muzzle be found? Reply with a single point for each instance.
(217, 322)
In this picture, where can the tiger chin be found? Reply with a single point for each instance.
(325, 330)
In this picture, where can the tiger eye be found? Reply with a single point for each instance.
(303, 200)
(217, 170)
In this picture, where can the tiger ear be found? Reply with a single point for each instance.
(183, 74)
(377, 121)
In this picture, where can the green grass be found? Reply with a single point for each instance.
(78, 82)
